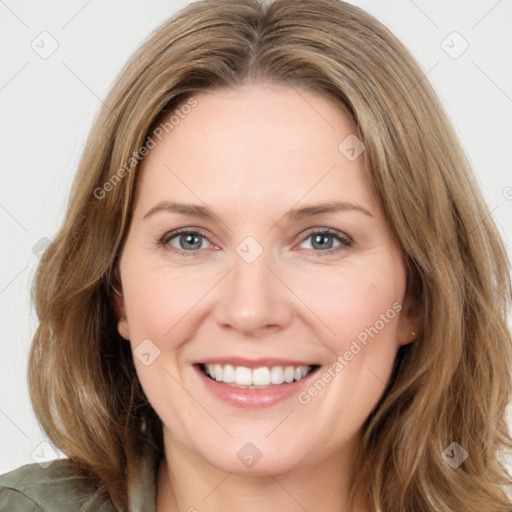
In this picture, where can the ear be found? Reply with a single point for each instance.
(122, 322)
(409, 322)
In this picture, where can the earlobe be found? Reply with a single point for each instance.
(122, 321)
(122, 328)
(404, 340)
(408, 324)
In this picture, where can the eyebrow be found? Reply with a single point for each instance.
(319, 209)
(293, 214)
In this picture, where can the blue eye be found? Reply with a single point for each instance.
(327, 241)
(189, 241)
(184, 241)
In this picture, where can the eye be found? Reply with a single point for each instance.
(185, 241)
(327, 240)
(189, 241)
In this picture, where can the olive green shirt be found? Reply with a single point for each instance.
(33, 488)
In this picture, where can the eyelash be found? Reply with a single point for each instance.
(345, 241)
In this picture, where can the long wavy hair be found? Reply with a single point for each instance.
(450, 385)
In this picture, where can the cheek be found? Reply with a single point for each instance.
(357, 302)
(161, 308)
(360, 308)
(161, 301)
(164, 306)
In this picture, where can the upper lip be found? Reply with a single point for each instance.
(255, 363)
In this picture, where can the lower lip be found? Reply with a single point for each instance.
(253, 398)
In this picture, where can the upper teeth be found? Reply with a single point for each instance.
(264, 376)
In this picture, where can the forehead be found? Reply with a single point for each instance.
(258, 144)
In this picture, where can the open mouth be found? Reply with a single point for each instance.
(257, 378)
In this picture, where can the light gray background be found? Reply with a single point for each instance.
(47, 106)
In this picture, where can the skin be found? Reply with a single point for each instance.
(250, 155)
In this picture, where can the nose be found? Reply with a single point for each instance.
(253, 300)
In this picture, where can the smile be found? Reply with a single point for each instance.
(257, 378)
(254, 383)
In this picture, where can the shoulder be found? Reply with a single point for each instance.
(55, 488)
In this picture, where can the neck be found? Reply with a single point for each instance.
(187, 482)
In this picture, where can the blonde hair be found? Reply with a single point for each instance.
(450, 385)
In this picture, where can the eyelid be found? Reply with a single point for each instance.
(169, 235)
(343, 238)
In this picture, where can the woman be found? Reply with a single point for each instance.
(277, 286)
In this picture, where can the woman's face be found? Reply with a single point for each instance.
(288, 271)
